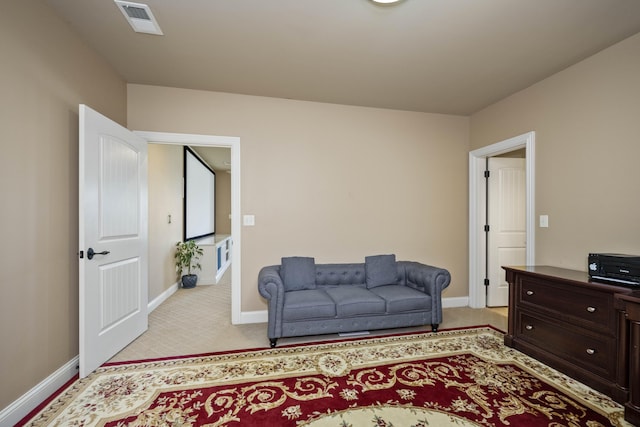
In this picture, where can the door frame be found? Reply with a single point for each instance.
(233, 143)
(477, 205)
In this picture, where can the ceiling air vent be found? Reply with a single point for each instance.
(140, 17)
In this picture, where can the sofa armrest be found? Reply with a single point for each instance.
(269, 282)
(429, 279)
(271, 287)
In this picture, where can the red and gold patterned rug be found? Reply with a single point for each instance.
(457, 378)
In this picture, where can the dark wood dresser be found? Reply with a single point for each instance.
(569, 323)
(628, 306)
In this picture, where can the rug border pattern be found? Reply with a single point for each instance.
(429, 342)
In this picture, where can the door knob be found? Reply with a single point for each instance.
(91, 253)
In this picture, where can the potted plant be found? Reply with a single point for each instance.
(187, 256)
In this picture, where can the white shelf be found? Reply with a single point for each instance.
(214, 248)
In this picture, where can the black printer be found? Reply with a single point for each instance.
(616, 269)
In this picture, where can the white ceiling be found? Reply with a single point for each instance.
(441, 56)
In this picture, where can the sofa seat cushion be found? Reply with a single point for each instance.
(401, 298)
(308, 304)
(351, 300)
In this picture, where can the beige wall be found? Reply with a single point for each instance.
(331, 181)
(587, 124)
(45, 72)
(165, 198)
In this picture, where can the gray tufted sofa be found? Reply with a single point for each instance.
(305, 298)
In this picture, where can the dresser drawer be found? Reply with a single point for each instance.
(587, 307)
(591, 351)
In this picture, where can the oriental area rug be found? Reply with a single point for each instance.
(464, 377)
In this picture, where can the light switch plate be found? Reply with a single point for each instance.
(249, 220)
(544, 221)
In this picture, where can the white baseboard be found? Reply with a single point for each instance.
(19, 409)
(162, 297)
(261, 316)
(455, 302)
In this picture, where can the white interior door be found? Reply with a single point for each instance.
(507, 224)
(113, 224)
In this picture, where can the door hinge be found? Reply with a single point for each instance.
(486, 174)
(486, 282)
(486, 228)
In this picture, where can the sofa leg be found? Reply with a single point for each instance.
(434, 327)
(273, 342)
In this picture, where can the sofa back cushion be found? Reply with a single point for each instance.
(298, 273)
(328, 275)
(380, 270)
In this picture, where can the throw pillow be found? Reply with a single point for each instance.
(380, 270)
(298, 273)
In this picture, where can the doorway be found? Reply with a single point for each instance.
(233, 143)
(477, 208)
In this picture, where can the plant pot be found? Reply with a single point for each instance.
(189, 281)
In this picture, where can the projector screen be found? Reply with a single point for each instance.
(199, 197)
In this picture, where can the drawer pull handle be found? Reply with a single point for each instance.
(529, 327)
(591, 309)
(529, 293)
(591, 351)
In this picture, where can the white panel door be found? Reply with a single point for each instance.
(113, 225)
(507, 224)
